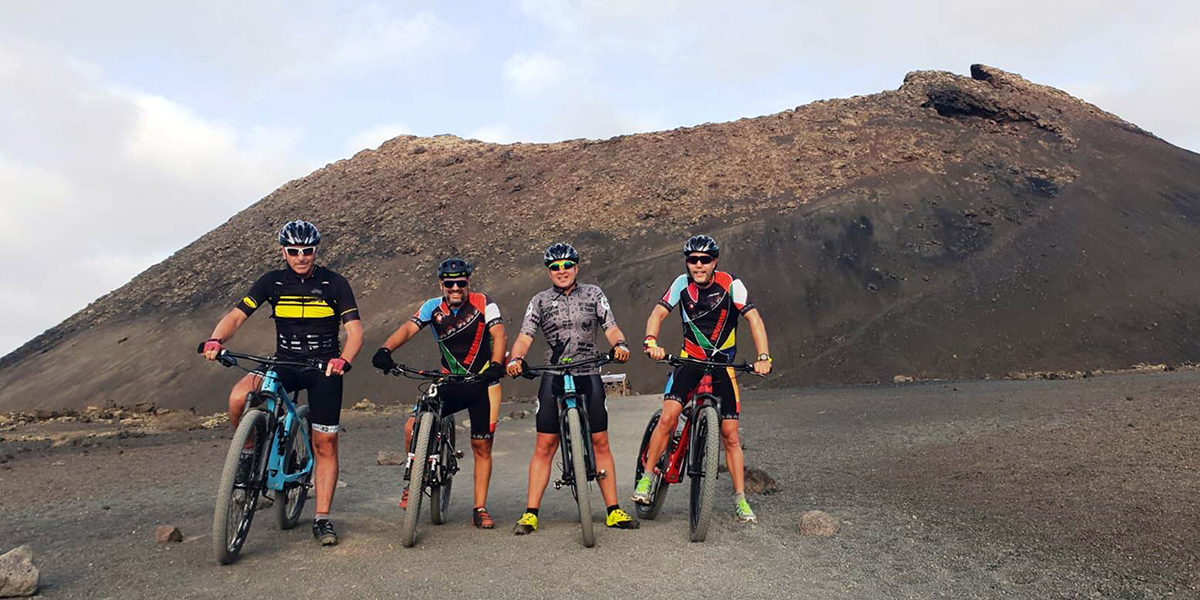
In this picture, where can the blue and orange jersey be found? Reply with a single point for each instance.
(462, 333)
(710, 314)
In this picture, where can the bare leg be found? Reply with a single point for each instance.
(662, 434)
(539, 467)
(604, 462)
(325, 446)
(483, 469)
(237, 397)
(733, 454)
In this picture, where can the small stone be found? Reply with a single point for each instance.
(391, 458)
(365, 404)
(819, 523)
(902, 379)
(341, 484)
(166, 534)
(18, 576)
(759, 482)
(518, 414)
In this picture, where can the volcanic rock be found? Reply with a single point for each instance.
(18, 576)
(819, 523)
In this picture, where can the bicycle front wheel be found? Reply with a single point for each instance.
(659, 485)
(289, 501)
(416, 483)
(236, 499)
(704, 480)
(439, 496)
(583, 497)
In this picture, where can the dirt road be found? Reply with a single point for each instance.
(1033, 489)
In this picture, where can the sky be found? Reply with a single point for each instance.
(129, 128)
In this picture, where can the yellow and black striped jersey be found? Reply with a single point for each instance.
(307, 311)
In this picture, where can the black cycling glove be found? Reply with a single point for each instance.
(383, 360)
(493, 372)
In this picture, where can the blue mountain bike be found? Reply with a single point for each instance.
(575, 440)
(271, 453)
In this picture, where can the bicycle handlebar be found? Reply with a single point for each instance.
(438, 376)
(680, 361)
(529, 372)
(229, 359)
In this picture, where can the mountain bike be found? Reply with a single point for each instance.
(578, 464)
(699, 422)
(432, 458)
(274, 436)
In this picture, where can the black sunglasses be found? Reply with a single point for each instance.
(307, 250)
(454, 283)
(702, 259)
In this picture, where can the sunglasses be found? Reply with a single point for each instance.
(454, 283)
(307, 251)
(702, 260)
(561, 265)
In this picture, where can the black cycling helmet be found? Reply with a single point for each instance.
(702, 243)
(560, 252)
(299, 233)
(454, 267)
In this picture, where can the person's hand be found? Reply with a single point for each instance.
(383, 360)
(336, 366)
(621, 352)
(493, 372)
(762, 367)
(654, 352)
(515, 367)
(212, 348)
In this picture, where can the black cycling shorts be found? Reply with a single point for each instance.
(473, 397)
(724, 384)
(324, 395)
(589, 387)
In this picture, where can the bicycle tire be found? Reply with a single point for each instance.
(658, 485)
(439, 496)
(291, 503)
(583, 499)
(233, 510)
(704, 485)
(416, 483)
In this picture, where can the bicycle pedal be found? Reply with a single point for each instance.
(458, 454)
(558, 485)
(601, 474)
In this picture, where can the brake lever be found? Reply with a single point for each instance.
(226, 360)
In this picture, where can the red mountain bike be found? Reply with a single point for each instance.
(700, 422)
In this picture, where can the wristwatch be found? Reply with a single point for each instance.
(764, 356)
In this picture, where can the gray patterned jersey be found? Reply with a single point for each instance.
(569, 322)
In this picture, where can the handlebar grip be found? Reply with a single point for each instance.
(200, 348)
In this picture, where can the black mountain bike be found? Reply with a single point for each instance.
(432, 458)
(575, 439)
(694, 448)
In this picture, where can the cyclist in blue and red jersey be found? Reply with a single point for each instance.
(710, 302)
(470, 337)
(309, 304)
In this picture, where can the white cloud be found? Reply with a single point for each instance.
(373, 137)
(532, 74)
(98, 182)
(496, 134)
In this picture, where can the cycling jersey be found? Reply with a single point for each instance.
(569, 322)
(307, 311)
(462, 333)
(709, 314)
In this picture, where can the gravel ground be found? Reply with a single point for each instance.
(987, 489)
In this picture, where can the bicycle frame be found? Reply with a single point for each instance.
(432, 402)
(270, 390)
(678, 459)
(572, 399)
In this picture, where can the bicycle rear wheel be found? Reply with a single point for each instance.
(659, 485)
(704, 482)
(235, 504)
(439, 496)
(583, 497)
(416, 483)
(289, 502)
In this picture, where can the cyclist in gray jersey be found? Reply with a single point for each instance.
(570, 316)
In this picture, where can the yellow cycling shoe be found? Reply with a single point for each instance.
(526, 524)
(619, 519)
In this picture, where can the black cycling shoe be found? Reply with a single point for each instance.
(323, 531)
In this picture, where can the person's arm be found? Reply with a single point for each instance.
(499, 341)
(519, 350)
(354, 340)
(224, 331)
(653, 326)
(758, 332)
(617, 340)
